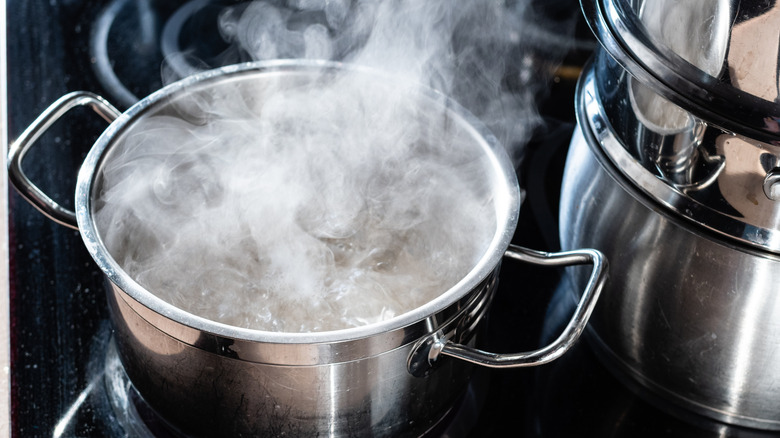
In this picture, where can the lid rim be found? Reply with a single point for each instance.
(602, 121)
(625, 39)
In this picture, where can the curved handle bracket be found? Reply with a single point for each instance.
(435, 346)
(21, 146)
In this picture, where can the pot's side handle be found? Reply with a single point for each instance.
(437, 345)
(19, 148)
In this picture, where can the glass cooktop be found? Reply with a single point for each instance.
(65, 379)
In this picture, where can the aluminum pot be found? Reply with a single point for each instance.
(383, 379)
(691, 312)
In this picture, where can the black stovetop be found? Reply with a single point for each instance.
(60, 333)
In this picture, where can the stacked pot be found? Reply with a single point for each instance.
(674, 173)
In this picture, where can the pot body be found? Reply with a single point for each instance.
(688, 313)
(397, 377)
(211, 379)
(209, 387)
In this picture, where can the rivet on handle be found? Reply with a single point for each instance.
(772, 184)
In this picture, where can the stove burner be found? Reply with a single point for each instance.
(205, 34)
(132, 41)
(124, 48)
(187, 49)
(130, 411)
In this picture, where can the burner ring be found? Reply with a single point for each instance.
(98, 50)
(130, 411)
(171, 49)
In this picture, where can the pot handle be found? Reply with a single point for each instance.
(19, 148)
(436, 345)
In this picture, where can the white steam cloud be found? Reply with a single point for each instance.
(301, 202)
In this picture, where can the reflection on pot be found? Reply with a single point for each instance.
(687, 313)
(583, 394)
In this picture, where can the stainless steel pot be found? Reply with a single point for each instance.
(383, 379)
(675, 175)
(691, 311)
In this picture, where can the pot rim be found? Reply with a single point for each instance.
(506, 193)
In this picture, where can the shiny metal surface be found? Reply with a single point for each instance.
(219, 393)
(717, 59)
(570, 334)
(389, 390)
(715, 178)
(214, 379)
(690, 314)
(224, 380)
(27, 139)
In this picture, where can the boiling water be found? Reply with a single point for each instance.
(297, 206)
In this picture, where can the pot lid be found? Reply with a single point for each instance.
(717, 59)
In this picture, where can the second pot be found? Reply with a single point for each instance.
(689, 313)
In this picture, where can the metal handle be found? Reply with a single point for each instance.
(440, 346)
(19, 148)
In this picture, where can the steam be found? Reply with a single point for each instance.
(493, 57)
(325, 199)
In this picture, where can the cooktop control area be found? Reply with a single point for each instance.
(66, 379)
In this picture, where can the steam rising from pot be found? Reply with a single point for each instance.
(493, 57)
(305, 202)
